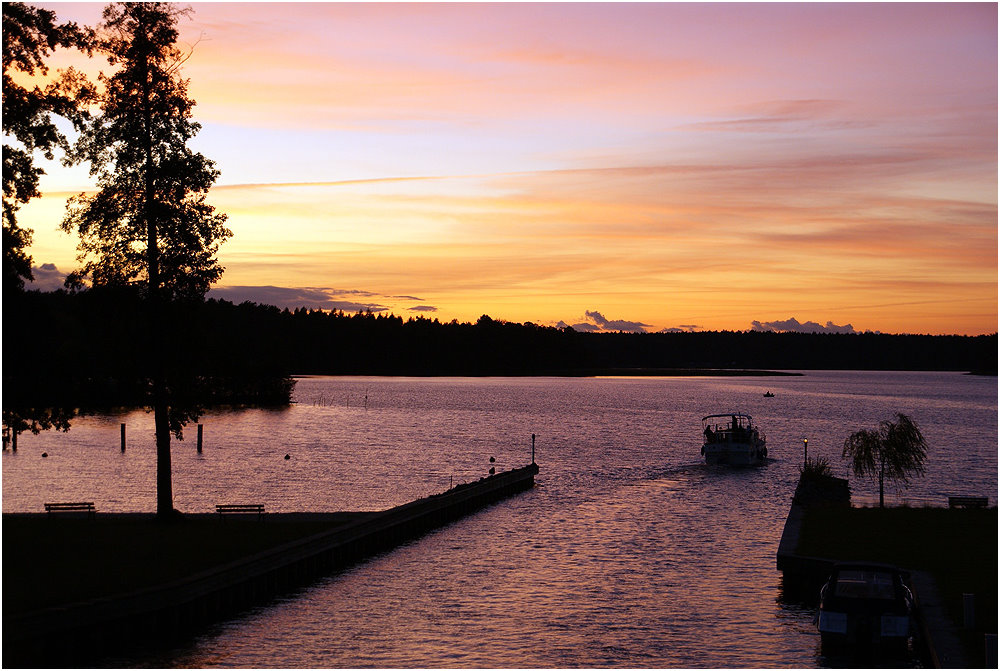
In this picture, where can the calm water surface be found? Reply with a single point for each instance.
(629, 552)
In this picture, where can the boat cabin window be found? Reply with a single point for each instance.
(861, 584)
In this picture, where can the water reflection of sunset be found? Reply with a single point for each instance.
(673, 165)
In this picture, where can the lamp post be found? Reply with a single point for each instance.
(805, 452)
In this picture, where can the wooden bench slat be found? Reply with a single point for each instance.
(71, 506)
(223, 508)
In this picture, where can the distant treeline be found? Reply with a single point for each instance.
(90, 345)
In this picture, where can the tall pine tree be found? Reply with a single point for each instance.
(148, 224)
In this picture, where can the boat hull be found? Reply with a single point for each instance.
(734, 455)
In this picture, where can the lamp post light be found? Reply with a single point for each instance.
(805, 452)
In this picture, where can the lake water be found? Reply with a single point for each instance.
(629, 552)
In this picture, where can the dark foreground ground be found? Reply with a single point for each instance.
(957, 547)
(60, 560)
(63, 559)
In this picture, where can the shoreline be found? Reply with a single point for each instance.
(583, 372)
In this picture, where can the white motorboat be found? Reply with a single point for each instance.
(732, 439)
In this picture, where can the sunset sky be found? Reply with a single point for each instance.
(619, 166)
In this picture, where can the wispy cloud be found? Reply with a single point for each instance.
(782, 116)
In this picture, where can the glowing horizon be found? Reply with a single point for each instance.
(671, 166)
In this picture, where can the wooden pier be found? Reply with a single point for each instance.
(72, 634)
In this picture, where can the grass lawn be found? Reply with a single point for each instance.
(957, 547)
(49, 562)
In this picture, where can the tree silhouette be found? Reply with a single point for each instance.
(149, 223)
(891, 452)
(29, 37)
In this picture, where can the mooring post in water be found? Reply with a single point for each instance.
(200, 427)
(123, 437)
(532, 448)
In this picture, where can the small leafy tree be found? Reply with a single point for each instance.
(30, 35)
(148, 224)
(893, 451)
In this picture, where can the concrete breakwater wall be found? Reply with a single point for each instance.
(73, 634)
(802, 575)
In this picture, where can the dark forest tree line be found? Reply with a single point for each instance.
(95, 336)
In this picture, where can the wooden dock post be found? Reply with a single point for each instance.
(200, 432)
(123, 437)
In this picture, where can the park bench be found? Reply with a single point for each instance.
(240, 508)
(76, 506)
(967, 501)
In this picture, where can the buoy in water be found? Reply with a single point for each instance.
(287, 457)
(45, 454)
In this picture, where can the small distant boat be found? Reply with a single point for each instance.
(768, 394)
(732, 439)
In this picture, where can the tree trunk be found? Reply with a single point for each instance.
(161, 409)
(164, 486)
(881, 484)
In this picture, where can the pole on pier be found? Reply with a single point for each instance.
(200, 428)
(969, 610)
(123, 437)
(532, 448)
(805, 452)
